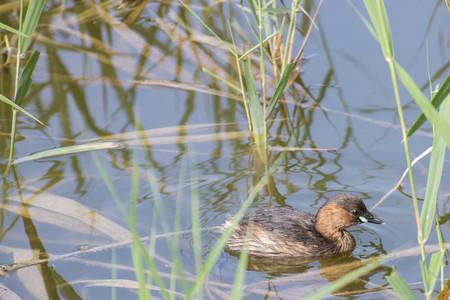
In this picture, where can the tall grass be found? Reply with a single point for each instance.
(146, 268)
(425, 216)
(22, 83)
(274, 29)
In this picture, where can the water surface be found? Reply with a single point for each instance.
(109, 71)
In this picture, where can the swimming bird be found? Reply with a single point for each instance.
(288, 232)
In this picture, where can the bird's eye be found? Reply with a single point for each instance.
(354, 211)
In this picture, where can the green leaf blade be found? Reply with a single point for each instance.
(280, 88)
(434, 177)
(436, 263)
(437, 99)
(12, 30)
(25, 79)
(427, 108)
(68, 150)
(256, 113)
(5, 100)
(400, 286)
(218, 247)
(32, 16)
(239, 278)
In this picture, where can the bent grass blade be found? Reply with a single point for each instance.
(12, 30)
(68, 151)
(5, 100)
(134, 141)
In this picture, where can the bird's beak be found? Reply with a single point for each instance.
(370, 218)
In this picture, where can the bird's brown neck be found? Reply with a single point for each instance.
(331, 225)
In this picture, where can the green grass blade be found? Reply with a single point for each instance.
(280, 87)
(248, 52)
(67, 151)
(217, 249)
(434, 177)
(25, 79)
(140, 253)
(195, 218)
(363, 19)
(277, 10)
(256, 113)
(222, 79)
(196, 226)
(32, 16)
(15, 106)
(252, 5)
(145, 255)
(241, 80)
(290, 37)
(385, 28)
(239, 278)
(24, 87)
(151, 248)
(436, 262)
(177, 272)
(440, 236)
(110, 185)
(400, 286)
(154, 272)
(137, 251)
(439, 123)
(443, 249)
(343, 281)
(12, 30)
(12, 142)
(424, 272)
(437, 99)
(159, 206)
(200, 19)
(262, 67)
(377, 15)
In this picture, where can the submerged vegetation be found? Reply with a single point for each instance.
(247, 59)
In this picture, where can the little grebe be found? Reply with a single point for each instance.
(287, 232)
